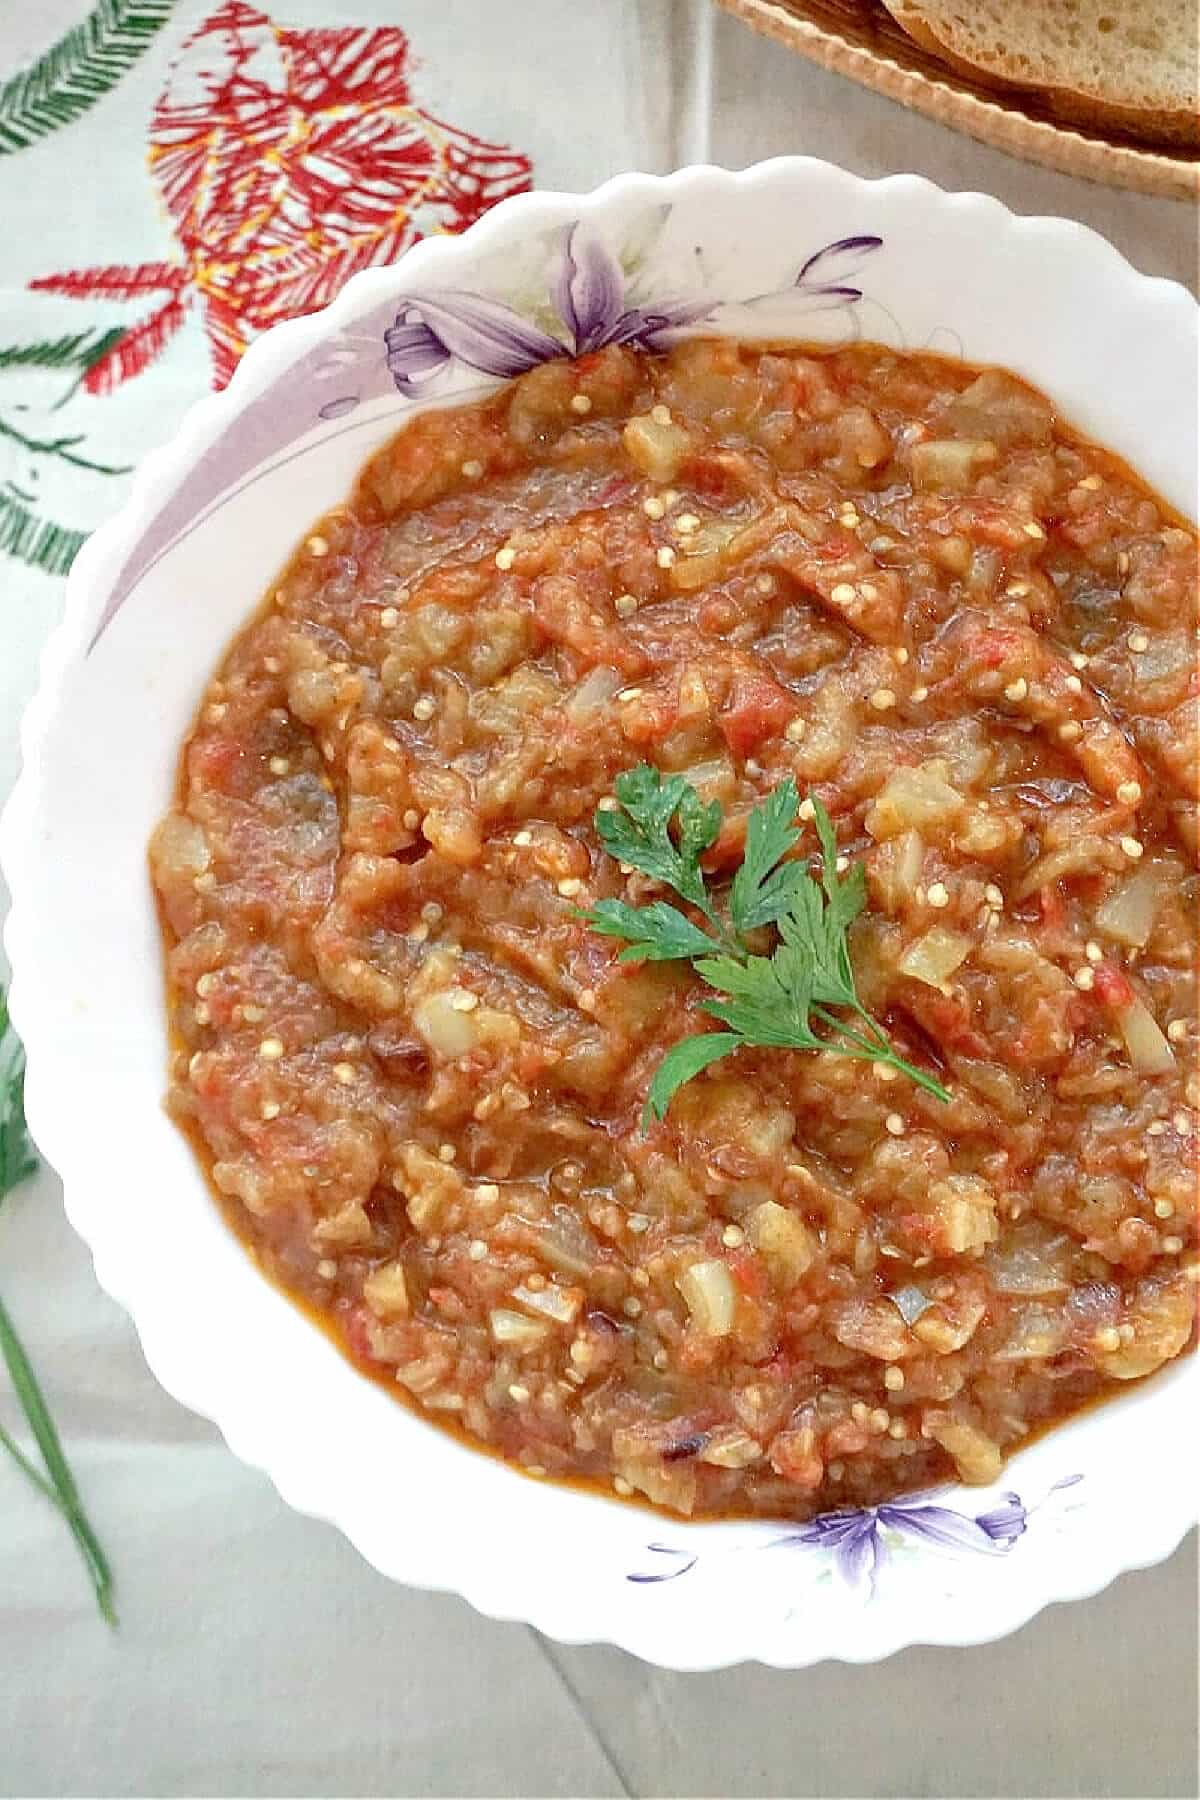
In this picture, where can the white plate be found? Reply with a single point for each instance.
(785, 249)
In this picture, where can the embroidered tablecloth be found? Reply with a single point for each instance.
(176, 175)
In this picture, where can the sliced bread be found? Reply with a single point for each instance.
(1113, 64)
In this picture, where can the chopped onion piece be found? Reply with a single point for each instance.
(1149, 1051)
(551, 1302)
(386, 1291)
(910, 860)
(1129, 912)
(1092, 1306)
(1035, 1333)
(715, 779)
(730, 1448)
(910, 1303)
(920, 798)
(1030, 1261)
(976, 1457)
(965, 1209)
(1168, 654)
(713, 535)
(862, 439)
(666, 1484)
(424, 1376)
(934, 957)
(948, 1327)
(593, 694)
(657, 449)
(950, 462)
(447, 1031)
(692, 572)
(1084, 855)
(565, 1243)
(708, 1289)
(1000, 1086)
(999, 406)
(871, 1326)
(784, 1240)
(1163, 1316)
(179, 848)
(514, 1328)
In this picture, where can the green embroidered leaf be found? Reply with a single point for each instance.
(25, 533)
(77, 71)
(17, 1159)
(79, 351)
(36, 540)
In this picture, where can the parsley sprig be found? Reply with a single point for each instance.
(56, 1483)
(662, 828)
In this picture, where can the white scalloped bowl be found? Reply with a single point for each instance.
(153, 600)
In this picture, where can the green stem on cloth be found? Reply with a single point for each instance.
(17, 1161)
(60, 1488)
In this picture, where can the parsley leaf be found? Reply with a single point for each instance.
(769, 998)
(764, 884)
(844, 901)
(764, 1002)
(57, 1484)
(683, 1060)
(639, 832)
(656, 933)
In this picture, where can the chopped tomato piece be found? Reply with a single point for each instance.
(730, 844)
(757, 708)
(709, 476)
(1113, 987)
(1051, 902)
(357, 1329)
(214, 762)
(749, 1271)
(568, 616)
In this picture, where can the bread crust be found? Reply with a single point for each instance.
(1177, 127)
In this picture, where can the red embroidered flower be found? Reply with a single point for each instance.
(287, 160)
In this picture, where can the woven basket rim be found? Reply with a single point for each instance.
(995, 118)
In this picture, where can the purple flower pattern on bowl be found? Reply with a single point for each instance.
(594, 304)
(585, 295)
(859, 1540)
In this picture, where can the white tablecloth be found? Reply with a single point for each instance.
(257, 1654)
